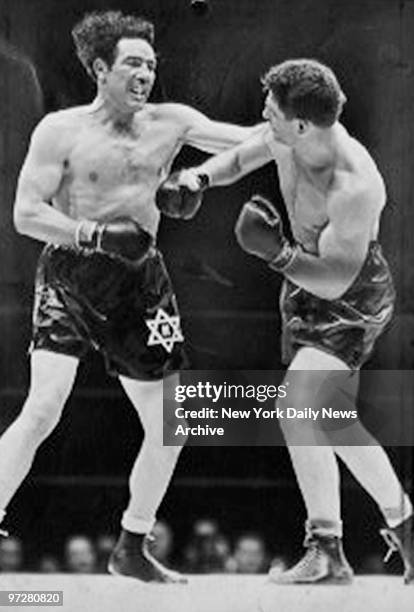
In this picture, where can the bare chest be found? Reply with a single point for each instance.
(103, 160)
(306, 201)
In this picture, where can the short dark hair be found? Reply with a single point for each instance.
(98, 33)
(306, 89)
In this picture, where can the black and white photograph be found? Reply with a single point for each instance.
(207, 305)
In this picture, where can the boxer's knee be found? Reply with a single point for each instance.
(52, 377)
(303, 399)
(158, 440)
(42, 410)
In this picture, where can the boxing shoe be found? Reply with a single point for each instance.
(323, 563)
(401, 539)
(132, 557)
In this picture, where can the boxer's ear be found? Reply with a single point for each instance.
(100, 69)
(302, 126)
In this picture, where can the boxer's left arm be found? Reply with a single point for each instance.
(180, 196)
(343, 245)
(212, 136)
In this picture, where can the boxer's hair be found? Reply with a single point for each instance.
(306, 89)
(98, 33)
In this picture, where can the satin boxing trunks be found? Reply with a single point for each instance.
(126, 311)
(346, 327)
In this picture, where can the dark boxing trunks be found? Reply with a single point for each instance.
(86, 299)
(346, 327)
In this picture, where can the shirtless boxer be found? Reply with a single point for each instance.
(87, 188)
(337, 296)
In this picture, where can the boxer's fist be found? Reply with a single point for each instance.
(181, 194)
(259, 231)
(123, 237)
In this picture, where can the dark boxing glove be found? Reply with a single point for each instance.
(259, 231)
(123, 237)
(176, 200)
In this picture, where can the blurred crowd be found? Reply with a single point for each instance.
(207, 550)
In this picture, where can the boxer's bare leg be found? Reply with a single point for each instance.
(315, 465)
(52, 377)
(148, 482)
(371, 466)
(155, 463)
(316, 468)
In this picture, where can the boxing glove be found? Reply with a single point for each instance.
(123, 237)
(259, 231)
(178, 201)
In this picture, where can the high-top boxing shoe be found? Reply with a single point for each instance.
(323, 563)
(131, 557)
(401, 539)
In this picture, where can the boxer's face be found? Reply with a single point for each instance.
(284, 130)
(128, 82)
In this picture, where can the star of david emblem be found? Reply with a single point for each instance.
(165, 330)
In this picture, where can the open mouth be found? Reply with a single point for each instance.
(138, 92)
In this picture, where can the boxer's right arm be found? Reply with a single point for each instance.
(174, 196)
(230, 166)
(39, 181)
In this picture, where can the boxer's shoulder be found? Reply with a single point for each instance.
(65, 118)
(357, 184)
(58, 128)
(356, 173)
(354, 202)
(178, 113)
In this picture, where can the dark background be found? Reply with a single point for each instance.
(228, 300)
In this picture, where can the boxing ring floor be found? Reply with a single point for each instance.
(213, 593)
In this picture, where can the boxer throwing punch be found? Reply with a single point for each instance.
(336, 299)
(87, 188)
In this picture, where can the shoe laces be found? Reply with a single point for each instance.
(391, 541)
(312, 554)
(150, 538)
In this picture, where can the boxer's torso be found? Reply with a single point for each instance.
(111, 170)
(307, 193)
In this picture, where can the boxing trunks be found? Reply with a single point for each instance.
(127, 311)
(346, 327)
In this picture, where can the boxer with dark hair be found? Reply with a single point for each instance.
(87, 188)
(336, 300)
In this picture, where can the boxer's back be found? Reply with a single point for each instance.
(307, 193)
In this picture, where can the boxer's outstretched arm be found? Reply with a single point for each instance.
(38, 183)
(343, 245)
(212, 136)
(229, 166)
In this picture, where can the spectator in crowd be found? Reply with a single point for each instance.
(162, 545)
(104, 545)
(203, 553)
(11, 554)
(278, 565)
(250, 556)
(223, 549)
(80, 555)
(48, 564)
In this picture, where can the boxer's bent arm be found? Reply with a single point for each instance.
(228, 167)
(343, 246)
(38, 183)
(213, 136)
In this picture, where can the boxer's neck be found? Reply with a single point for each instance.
(318, 149)
(109, 112)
